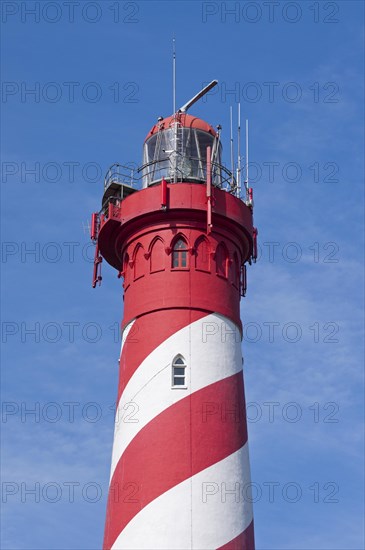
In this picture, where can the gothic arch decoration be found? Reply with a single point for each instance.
(202, 254)
(125, 271)
(179, 252)
(138, 261)
(125, 262)
(157, 255)
(221, 260)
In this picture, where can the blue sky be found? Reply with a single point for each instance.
(297, 69)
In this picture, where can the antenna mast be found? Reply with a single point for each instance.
(246, 178)
(239, 152)
(232, 154)
(173, 75)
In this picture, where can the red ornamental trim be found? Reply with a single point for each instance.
(154, 241)
(157, 460)
(187, 208)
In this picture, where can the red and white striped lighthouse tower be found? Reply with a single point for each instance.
(180, 475)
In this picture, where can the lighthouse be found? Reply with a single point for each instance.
(179, 231)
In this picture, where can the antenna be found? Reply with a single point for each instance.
(232, 155)
(239, 151)
(246, 178)
(194, 99)
(86, 227)
(174, 75)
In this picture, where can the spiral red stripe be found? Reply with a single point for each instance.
(160, 457)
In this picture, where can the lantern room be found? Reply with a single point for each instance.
(176, 150)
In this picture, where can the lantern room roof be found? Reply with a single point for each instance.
(186, 120)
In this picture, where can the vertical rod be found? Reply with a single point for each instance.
(239, 152)
(247, 151)
(232, 156)
(174, 105)
(246, 179)
(173, 75)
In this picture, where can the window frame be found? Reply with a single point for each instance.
(178, 253)
(179, 363)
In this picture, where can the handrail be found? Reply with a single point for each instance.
(115, 174)
(122, 174)
(227, 183)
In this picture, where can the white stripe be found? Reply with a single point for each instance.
(211, 347)
(204, 512)
(125, 334)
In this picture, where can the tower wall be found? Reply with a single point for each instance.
(180, 476)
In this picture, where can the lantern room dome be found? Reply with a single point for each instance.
(185, 120)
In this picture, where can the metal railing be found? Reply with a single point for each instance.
(177, 172)
(122, 174)
(172, 171)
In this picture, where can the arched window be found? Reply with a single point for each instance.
(180, 254)
(139, 262)
(202, 255)
(178, 372)
(221, 258)
(157, 258)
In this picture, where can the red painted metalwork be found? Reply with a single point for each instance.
(94, 235)
(209, 191)
(254, 237)
(250, 195)
(163, 194)
(243, 280)
(97, 268)
(94, 226)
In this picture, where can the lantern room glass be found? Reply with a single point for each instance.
(180, 155)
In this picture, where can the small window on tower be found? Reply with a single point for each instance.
(178, 372)
(180, 254)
